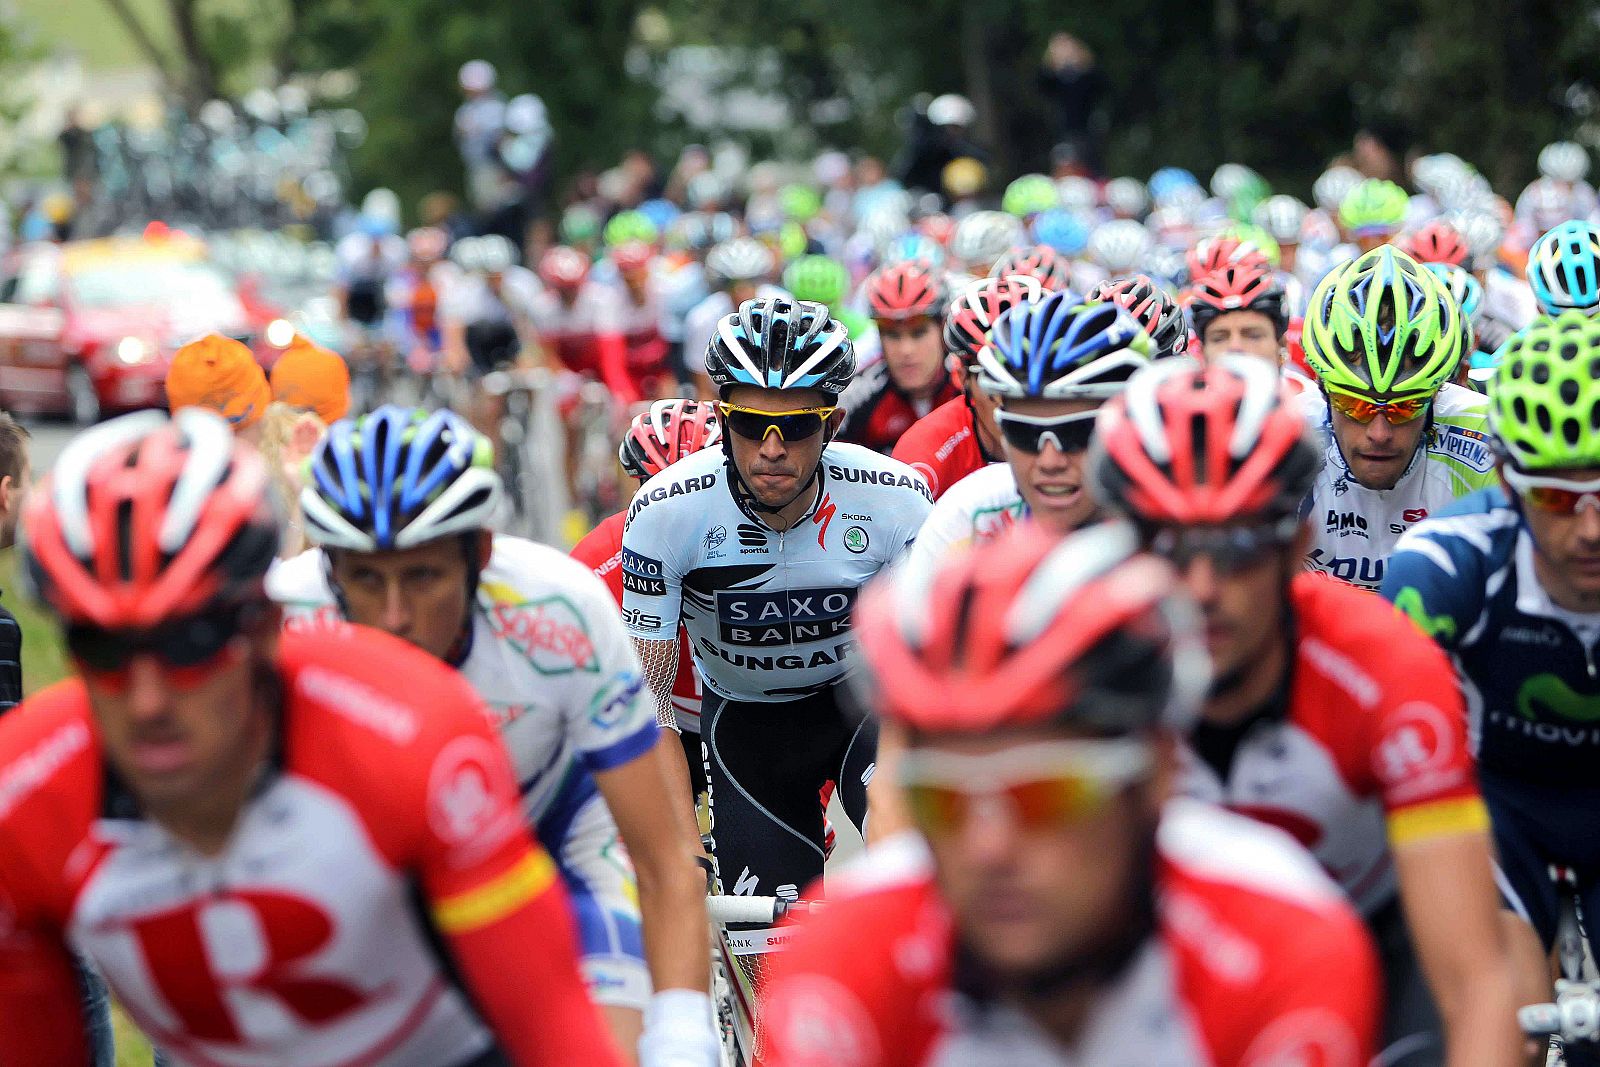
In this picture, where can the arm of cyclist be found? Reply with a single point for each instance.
(1439, 834)
(500, 904)
(41, 1018)
(614, 368)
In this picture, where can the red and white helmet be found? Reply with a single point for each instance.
(563, 268)
(147, 519)
(973, 312)
(670, 430)
(1186, 445)
(1237, 287)
(907, 290)
(1029, 630)
(1214, 253)
(1050, 268)
(1437, 242)
(632, 255)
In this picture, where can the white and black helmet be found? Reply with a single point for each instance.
(984, 236)
(778, 343)
(1283, 217)
(1120, 246)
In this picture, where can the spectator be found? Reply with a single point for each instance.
(15, 479)
(1073, 83)
(479, 122)
(288, 437)
(310, 378)
(219, 373)
(938, 137)
(78, 160)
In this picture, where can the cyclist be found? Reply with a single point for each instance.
(1051, 365)
(823, 280)
(1507, 583)
(1063, 910)
(1402, 442)
(1044, 264)
(1154, 310)
(647, 362)
(485, 311)
(303, 850)
(1239, 309)
(1564, 269)
(1327, 716)
(983, 237)
(1437, 242)
(960, 436)
(758, 552)
(906, 301)
(579, 323)
(656, 439)
(412, 297)
(738, 270)
(398, 502)
(1373, 212)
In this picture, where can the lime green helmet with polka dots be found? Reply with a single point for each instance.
(819, 279)
(1374, 208)
(1029, 195)
(1544, 403)
(1382, 326)
(628, 226)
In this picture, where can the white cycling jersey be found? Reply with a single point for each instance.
(1353, 528)
(596, 310)
(549, 657)
(978, 508)
(767, 612)
(466, 299)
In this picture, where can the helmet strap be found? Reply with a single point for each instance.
(745, 497)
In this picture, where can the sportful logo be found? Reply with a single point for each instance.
(751, 536)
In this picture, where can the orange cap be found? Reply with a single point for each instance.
(219, 373)
(311, 377)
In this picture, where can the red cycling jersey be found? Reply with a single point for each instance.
(1369, 751)
(942, 446)
(378, 901)
(877, 413)
(1257, 962)
(601, 551)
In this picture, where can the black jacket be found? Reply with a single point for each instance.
(10, 661)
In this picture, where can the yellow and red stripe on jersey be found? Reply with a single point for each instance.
(500, 896)
(1438, 818)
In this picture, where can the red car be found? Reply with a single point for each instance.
(90, 327)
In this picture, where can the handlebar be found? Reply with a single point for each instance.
(1575, 1015)
(767, 910)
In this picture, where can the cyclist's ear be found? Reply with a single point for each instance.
(485, 548)
(835, 421)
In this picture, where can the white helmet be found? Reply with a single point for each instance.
(1482, 230)
(1127, 197)
(1333, 185)
(984, 236)
(1283, 217)
(382, 205)
(743, 259)
(1565, 161)
(951, 109)
(527, 114)
(1230, 179)
(1121, 246)
(1078, 195)
(477, 76)
(1434, 172)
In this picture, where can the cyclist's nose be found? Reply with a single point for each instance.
(1380, 432)
(1589, 523)
(1200, 578)
(147, 688)
(396, 616)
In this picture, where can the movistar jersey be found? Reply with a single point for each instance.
(1353, 528)
(767, 612)
(1528, 667)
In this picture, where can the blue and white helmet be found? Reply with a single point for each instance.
(397, 478)
(777, 343)
(1062, 348)
(1564, 268)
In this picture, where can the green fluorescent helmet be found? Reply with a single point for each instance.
(1375, 208)
(1029, 195)
(1383, 327)
(1545, 400)
(628, 226)
(817, 278)
(799, 203)
(579, 223)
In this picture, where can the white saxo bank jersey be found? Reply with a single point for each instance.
(767, 613)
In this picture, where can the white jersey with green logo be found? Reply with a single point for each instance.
(1353, 528)
(978, 508)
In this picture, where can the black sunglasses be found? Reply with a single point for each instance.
(754, 424)
(182, 643)
(1029, 434)
(1231, 549)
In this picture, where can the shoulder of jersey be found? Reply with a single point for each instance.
(858, 464)
(1358, 641)
(527, 566)
(691, 474)
(374, 683)
(47, 755)
(1480, 524)
(299, 579)
(993, 482)
(1203, 842)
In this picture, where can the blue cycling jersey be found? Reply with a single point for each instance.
(1528, 666)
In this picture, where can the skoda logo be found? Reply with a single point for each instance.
(855, 539)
